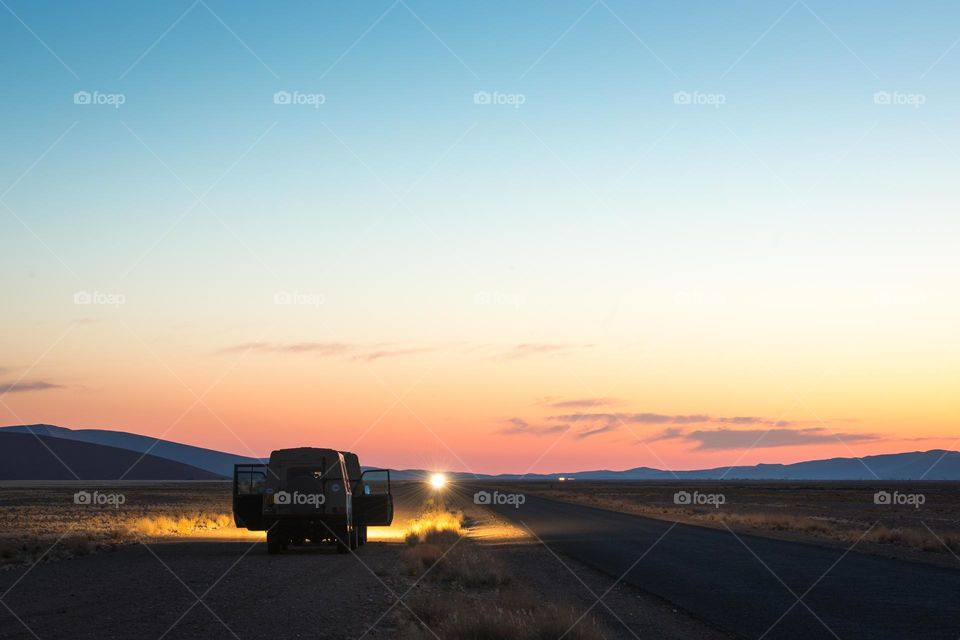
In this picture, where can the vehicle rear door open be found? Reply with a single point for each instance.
(372, 500)
(249, 485)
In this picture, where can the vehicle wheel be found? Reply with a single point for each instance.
(343, 541)
(355, 538)
(275, 542)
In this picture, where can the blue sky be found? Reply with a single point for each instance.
(598, 135)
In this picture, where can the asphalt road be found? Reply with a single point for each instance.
(750, 585)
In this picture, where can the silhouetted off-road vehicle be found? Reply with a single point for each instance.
(309, 494)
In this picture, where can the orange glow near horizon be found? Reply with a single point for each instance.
(471, 409)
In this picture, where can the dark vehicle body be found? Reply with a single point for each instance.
(310, 494)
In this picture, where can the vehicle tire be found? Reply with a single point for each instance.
(343, 541)
(355, 538)
(276, 542)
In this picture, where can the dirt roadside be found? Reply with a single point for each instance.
(228, 587)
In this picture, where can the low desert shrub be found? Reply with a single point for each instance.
(475, 569)
(469, 618)
(420, 558)
(184, 524)
(436, 526)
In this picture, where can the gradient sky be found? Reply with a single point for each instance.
(679, 235)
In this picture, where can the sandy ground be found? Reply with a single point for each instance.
(222, 584)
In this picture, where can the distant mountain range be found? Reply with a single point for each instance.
(32, 457)
(31, 452)
(215, 462)
(936, 464)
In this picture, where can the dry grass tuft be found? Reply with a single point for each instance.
(833, 520)
(474, 569)
(514, 614)
(916, 538)
(420, 558)
(32, 518)
(435, 526)
(773, 522)
(164, 526)
(444, 538)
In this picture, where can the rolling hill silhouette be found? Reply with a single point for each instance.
(936, 464)
(216, 462)
(24, 456)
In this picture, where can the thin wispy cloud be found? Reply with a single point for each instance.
(371, 352)
(367, 353)
(23, 386)
(519, 426)
(579, 403)
(590, 424)
(660, 418)
(595, 431)
(395, 353)
(532, 349)
(585, 425)
(670, 433)
(318, 348)
(725, 438)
